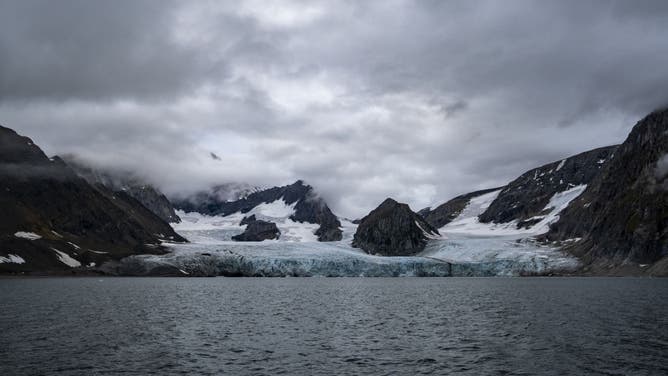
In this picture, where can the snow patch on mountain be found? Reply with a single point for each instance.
(561, 164)
(427, 234)
(468, 223)
(505, 246)
(66, 259)
(12, 259)
(27, 235)
(275, 209)
(200, 227)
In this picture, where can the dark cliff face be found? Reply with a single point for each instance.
(393, 229)
(623, 214)
(527, 196)
(257, 231)
(155, 201)
(45, 197)
(448, 211)
(309, 207)
(117, 181)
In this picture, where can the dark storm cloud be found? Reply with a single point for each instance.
(418, 100)
(95, 50)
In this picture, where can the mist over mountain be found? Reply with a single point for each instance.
(413, 100)
(128, 183)
(53, 220)
(334, 187)
(217, 109)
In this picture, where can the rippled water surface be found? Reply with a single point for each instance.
(343, 326)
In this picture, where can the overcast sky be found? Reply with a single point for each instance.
(417, 100)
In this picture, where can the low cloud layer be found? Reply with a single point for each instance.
(417, 100)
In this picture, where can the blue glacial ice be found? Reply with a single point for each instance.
(211, 252)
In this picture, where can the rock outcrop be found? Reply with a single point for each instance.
(393, 229)
(128, 183)
(622, 216)
(447, 212)
(53, 220)
(308, 207)
(247, 220)
(527, 196)
(257, 231)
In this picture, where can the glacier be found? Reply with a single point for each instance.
(503, 248)
(466, 247)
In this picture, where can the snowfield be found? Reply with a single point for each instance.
(278, 212)
(27, 235)
(509, 249)
(66, 259)
(12, 259)
(466, 247)
(467, 222)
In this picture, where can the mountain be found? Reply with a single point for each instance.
(524, 200)
(53, 220)
(527, 205)
(257, 230)
(305, 204)
(128, 183)
(447, 212)
(207, 201)
(621, 219)
(393, 229)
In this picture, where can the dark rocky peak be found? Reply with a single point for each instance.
(424, 212)
(527, 196)
(21, 159)
(292, 193)
(393, 229)
(15, 148)
(247, 220)
(622, 217)
(447, 212)
(257, 231)
(389, 203)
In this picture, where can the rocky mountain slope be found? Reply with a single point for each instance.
(128, 183)
(53, 220)
(622, 216)
(393, 229)
(445, 213)
(308, 207)
(524, 199)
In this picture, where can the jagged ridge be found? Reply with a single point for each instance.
(447, 212)
(526, 197)
(308, 207)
